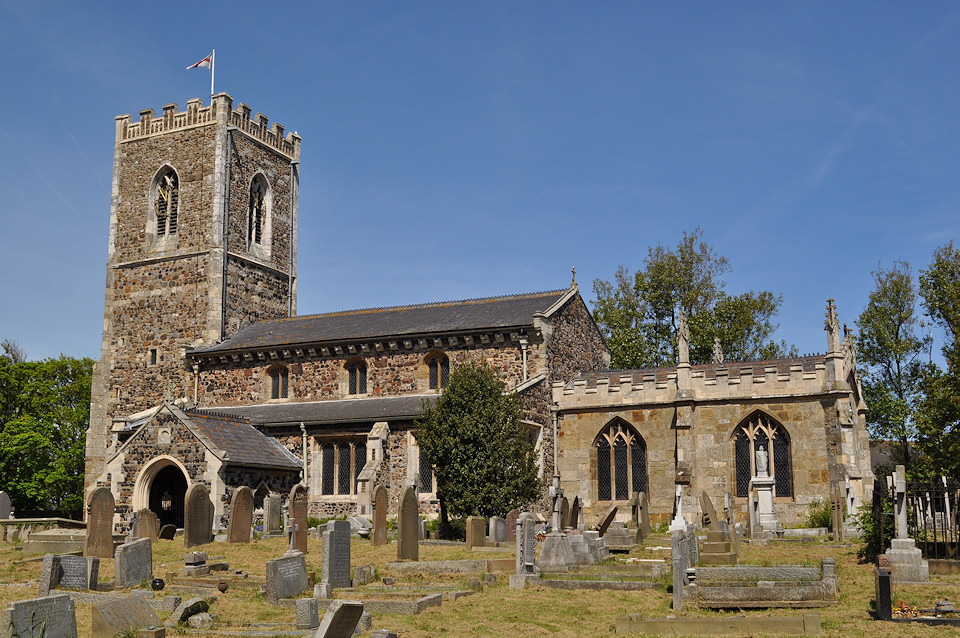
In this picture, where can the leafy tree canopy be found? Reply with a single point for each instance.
(44, 413)
(484, 463)
(638, 311)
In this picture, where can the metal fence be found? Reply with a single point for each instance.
(932, 509)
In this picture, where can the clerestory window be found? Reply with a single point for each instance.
(439, 366)
(279, 382)
(357, 377)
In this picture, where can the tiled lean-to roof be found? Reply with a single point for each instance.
(364, 410)
(243, 443)
(381, 323)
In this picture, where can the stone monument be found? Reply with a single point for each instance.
(133, 563)
(476, 532)
(378, 536)
(526, 539)
(241, 516)
(512, 517)
(336, 554)
(146, 525)
(272, 517)
(4, 506)
(763, 483)
(298, 518)
(197, 516)
(556, 555)
(408, 526)
(678, 523)
(717, 549)
(906, 559)
(99, 540)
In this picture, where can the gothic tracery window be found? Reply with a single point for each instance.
(759, 429)
(166, 202)
(621, 462)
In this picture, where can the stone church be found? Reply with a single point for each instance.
(207, 373)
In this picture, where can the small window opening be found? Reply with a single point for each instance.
(256, 213)
(279, 382)
(439, 366)
(357, 372)
(153, 356)
(165, 206)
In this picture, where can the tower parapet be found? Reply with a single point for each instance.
(220, 110)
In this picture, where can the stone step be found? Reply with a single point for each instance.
(720, 558)
(715, 548)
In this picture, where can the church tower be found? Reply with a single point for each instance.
(203, 236)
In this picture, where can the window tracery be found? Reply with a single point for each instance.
(621, 461)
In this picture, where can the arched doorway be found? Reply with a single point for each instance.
(167, 494)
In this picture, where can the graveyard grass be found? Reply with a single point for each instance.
(497, 610)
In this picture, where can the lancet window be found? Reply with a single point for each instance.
(166, 202)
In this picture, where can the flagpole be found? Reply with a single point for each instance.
(213, 60)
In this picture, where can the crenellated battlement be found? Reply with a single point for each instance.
(220, 111)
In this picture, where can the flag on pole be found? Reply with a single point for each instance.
(205, 63)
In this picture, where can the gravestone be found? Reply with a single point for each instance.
(133, 563)
(408, 523)
(286, 577)
(379, 534)
(197, 516)
(167, 532)
(341, 619)
(99, 540)
(498, 529)
(122, 616)
(512, 517)
(50, 617)
(336, 554)
(574, 521)
(731, 525)
(836, 508)
(298, 518)
(564, 513)
(4, 506)
(308, 613)
(710, 519)
(146, 525)
(883, 595)
(272, 516)
(476, 532)
(241, 516)
(681, 562)
(63, 571)
(607, 519)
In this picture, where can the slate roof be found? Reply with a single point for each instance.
(447, 316)
(320, 412)
(243, 443)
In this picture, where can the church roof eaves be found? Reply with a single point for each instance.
(370, 409)
(241, 443)
(490, 313)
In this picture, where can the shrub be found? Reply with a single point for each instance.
(820, 514)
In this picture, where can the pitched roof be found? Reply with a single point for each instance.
(242, 443)
(319, 412)
(447, 316)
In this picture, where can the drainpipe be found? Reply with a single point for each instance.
(303, 434)
(523, 351)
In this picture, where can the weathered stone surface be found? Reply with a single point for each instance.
(564, 513)
(497, 529)
(241, 516)
(198, 516)
(710, 520)
(607, 519)
(364, 574)
(272, 516)
(341, 619)
(476, 532)
(68, 572)
(286, 577)
(189, 607)
(907, 562)
(408, 544)
(512, 517)
(101, 508)
(308, 613)
(298, 518)
(167, 532)
(379, 534)
(575, 513)
(4, 506)
(336, 554)
(146, 525)
(50, 617)
(556, 555)
(134, 563)
(203, 620)
(807, 625)
(121, 616)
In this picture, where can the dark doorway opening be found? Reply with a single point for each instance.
(166, 495)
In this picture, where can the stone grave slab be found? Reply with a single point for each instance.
(101, 509)
(308, 613)
(336, 554)
(708, 512)
(476, 532)
(498, 529)
(121, 616)
(341, 619)
(298, 518)
(379, 534)
(272, 516)
(68, 572)
(241, 516)
(564, 513)
(512, 517)
(146, 525)
(408, 523)
(50, 617)
(607, 519)
(133, 563)
(286, 577)
(167, 532)
(197, 516)
(4, 505)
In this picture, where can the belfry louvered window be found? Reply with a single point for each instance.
(257, 211)
(166, 202)
(621, 462)
(761, 430)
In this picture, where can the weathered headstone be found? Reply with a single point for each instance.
(336, 554)
(512, 517)
(197, 518)
(122, 616)
(146, 525)
(681, 562)
(476, 532)
(731, 524)
(241, 516)
(408, 544)
(607, 519)
(710, 519)
(63, 571)
(50, 617)
(99, 540)
(836, 508)
(272, 516)
(133, 563)
(341, 619)
(883, 595)
(574, 521)
(286, 577)
(167, 532)
(379, 534)
(498, 529)
(308, 613)
(298, 518)
(4, 505)
(564, 513)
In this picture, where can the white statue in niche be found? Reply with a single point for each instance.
(761, 461)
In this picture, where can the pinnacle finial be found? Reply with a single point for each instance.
(573, 272)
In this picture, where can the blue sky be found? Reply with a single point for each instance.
(455, 150)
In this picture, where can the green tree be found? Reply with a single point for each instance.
(891, 350)
(44, 413)
(638, 311)
(484, 464)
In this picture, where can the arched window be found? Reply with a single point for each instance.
(166, 194)
(357, 377)
(439, 366)
(340, 465)
(621, 461)
(760, 429)
(279, 382)
(256, 215)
